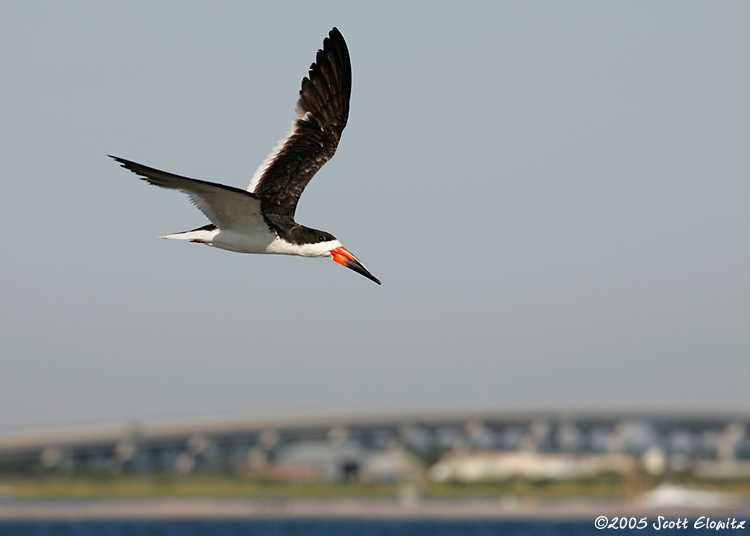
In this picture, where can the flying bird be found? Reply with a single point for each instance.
(261, 218)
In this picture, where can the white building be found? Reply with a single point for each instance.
(488, 465)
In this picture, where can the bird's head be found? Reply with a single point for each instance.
(308, 242)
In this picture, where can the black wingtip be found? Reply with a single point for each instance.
(120, 161)
(335, 37)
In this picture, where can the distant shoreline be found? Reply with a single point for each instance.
(342, 508)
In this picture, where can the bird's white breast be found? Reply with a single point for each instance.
(241, 242)
(319, 249)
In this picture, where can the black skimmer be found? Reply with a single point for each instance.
(261, 218)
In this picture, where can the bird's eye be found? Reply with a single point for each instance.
(321, 239)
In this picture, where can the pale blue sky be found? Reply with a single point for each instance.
(556, 196)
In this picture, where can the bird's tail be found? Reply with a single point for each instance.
(201, 234)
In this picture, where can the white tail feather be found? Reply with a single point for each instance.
(198, 235)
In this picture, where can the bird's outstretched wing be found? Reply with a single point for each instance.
(323, 108)
(227, 207)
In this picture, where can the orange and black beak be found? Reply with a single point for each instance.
(342, 256)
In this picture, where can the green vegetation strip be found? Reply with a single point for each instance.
(220, 486)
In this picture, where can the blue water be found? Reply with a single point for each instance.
(294, 527)
(317, 527)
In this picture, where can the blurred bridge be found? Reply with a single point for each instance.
(202, 444)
